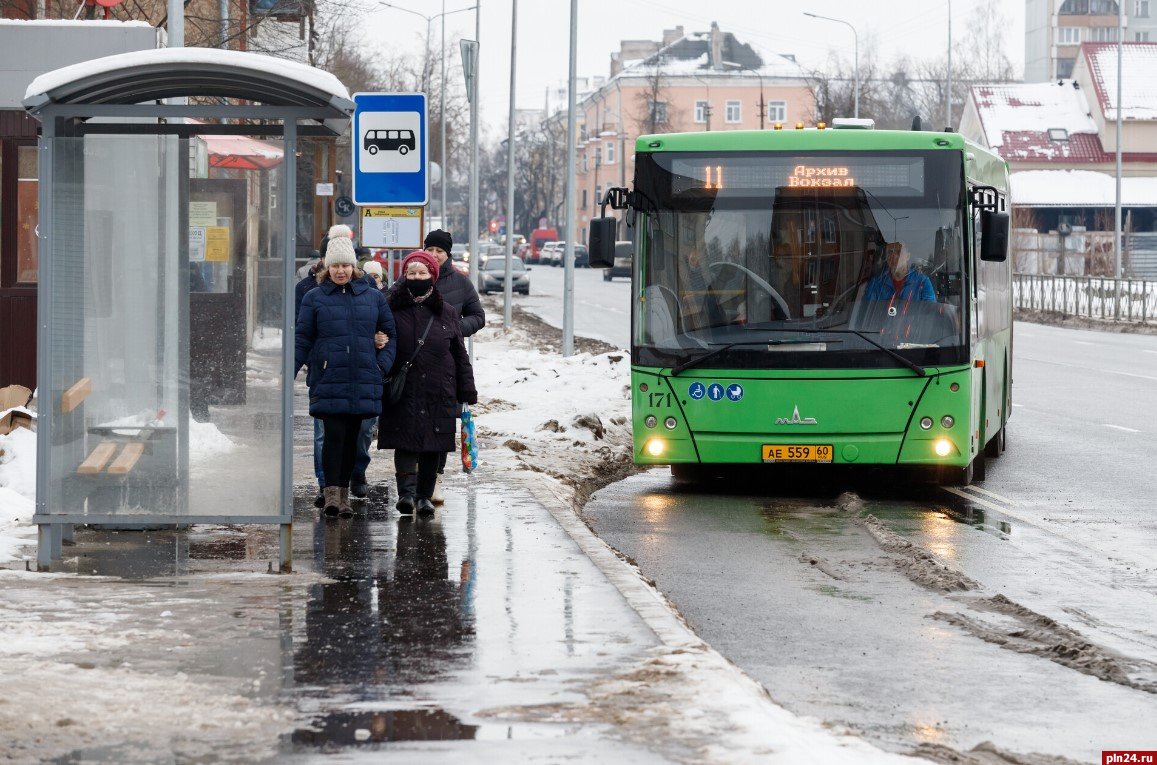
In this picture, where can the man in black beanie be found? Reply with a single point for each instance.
(458, 291)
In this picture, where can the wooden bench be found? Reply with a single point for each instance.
(100, 456)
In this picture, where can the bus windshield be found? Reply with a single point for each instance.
(778, 260)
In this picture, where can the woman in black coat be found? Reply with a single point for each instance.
(421, 426)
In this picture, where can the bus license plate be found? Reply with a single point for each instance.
(797, 453)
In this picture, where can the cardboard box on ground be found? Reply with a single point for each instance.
(11, 397)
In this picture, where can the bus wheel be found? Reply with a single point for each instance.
(950, 476)
(995, 447)
(403, 149)
(373, 149)
(688, 473)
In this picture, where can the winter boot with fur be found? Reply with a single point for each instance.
(332, 500)
(344, 509)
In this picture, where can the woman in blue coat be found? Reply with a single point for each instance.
(335, 338)
(420, 428)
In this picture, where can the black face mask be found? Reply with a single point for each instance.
(419, 287)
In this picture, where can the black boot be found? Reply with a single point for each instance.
(425, 506)
(407, 488)
(359, 488)
(319, 500)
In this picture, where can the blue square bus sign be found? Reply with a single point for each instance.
(389, 149)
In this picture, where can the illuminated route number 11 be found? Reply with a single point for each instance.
(718, 183)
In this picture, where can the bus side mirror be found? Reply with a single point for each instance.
(993, 236)
(601, 242)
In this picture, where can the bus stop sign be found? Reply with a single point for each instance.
(389, 149)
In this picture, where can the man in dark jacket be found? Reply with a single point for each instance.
(458, 291)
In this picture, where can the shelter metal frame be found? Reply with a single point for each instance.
(300, 108)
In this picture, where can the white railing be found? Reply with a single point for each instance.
(1094, 297)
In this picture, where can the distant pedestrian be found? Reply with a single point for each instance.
(457, 290)
(336, 330)
(421, 427)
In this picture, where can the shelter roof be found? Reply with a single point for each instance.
(1080, 188)
(154, 75)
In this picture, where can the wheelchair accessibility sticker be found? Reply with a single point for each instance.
(715, 391)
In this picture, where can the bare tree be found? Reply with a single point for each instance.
(653, 112)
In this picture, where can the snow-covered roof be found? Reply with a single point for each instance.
(148, 75)
(1020, 113)
(691, 54)
(1139, 63)
(1080, 188)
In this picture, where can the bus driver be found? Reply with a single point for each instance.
(900, 279)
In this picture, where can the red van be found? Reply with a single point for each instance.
(538, 238)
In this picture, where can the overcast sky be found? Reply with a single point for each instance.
(918, 28)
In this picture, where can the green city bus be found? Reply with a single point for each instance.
(830, 296)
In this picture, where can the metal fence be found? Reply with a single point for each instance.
(1094, 297)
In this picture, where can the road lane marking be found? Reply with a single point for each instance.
(994, 495)
(1120, 427)
(1041, 525)
(1091, 369)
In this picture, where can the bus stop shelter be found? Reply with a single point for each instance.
(132, 246)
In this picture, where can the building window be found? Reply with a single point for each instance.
(1141, 9)
(1068, 35)
(609, 152)
(1065, 67)
(1088, 8)
(659, 112)
(701, 108)
(734, 112)
(598, 194)
(1140, 37)
(585, 163)
(1103, 34)
(777, 111)
(584, 204)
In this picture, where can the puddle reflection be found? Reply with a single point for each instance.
(389, 617)
(346, 729)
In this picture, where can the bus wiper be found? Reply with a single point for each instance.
(864, 335)
(724, 348)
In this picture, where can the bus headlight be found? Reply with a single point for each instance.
(947, 421)
(670, 423)
(926, 423)
(943, 447)
(651, 421)
(655, 447)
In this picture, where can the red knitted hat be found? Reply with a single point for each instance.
(422, 257)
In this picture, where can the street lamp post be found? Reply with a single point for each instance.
(757, 73)
(856, 38)
(948, 95)
(442, 89)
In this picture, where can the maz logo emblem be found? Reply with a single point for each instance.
(795, 419)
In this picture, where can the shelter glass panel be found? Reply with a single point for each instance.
(164, 359)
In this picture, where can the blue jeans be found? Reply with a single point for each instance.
(365, 438)
(318, 439)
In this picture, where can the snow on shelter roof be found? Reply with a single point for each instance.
(151, 75)
(1079, 188)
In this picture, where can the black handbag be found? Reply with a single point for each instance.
(396, 383)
